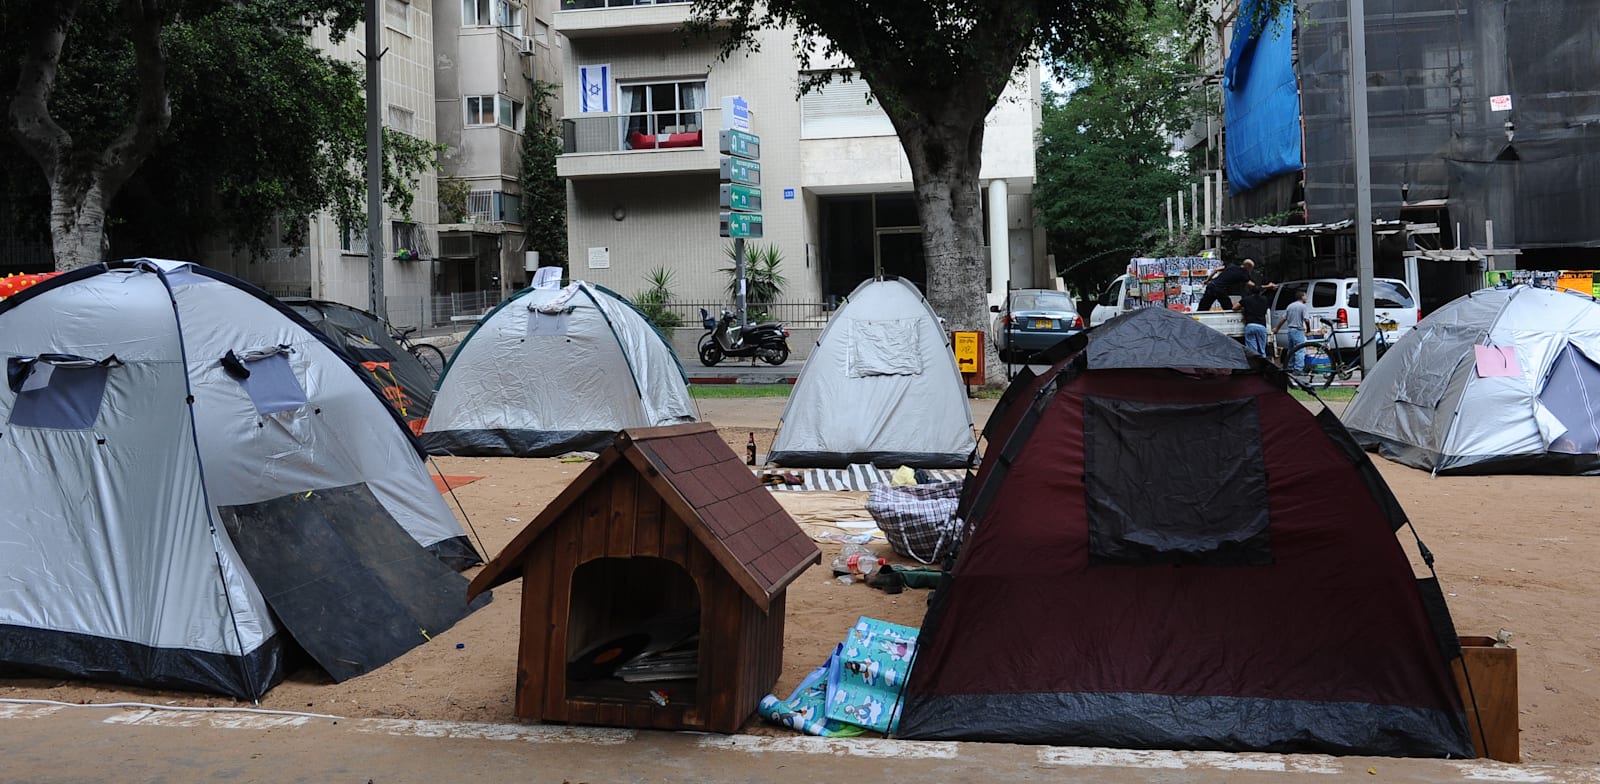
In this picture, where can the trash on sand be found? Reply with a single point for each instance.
(577, 457)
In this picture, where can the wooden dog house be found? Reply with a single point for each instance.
(666, 530)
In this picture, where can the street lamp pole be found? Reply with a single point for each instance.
(374, 56)
(1363, 165)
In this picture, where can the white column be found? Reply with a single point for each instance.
(999, 242)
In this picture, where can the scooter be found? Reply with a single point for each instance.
(767, 341)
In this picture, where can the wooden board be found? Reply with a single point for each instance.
(1493, 674)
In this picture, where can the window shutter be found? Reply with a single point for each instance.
(841, 109)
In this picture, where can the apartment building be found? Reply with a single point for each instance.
(488, 56)
(460, 73)
(642, 105)
(332, 264)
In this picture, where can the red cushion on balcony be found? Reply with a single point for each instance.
(640, 141)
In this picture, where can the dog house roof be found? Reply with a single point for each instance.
(709, 488)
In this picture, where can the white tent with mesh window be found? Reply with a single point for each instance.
(880, 387)
(554, 371)
(1498, 381)
(196, 482)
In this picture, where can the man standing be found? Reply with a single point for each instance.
(1222, 281)
(1294, 322)
(1253, 307)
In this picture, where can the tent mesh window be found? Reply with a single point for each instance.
(61, 398)
(1175, 483)
(540, 323)
(272, 385)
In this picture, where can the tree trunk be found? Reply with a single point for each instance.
(77, 223)
(945, 152)
(81, 185)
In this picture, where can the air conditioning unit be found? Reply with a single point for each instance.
(525, 45)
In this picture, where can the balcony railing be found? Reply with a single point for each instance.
(633, 131)
(573, 5)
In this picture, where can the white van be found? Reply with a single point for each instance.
(1336, 303)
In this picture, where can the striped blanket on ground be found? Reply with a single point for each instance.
(860, 476)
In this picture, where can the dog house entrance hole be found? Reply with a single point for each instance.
(633, 632)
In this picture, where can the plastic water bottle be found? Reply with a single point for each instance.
(857, 561)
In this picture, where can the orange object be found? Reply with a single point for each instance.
(449, 482)
(11, 285)
(968, 347)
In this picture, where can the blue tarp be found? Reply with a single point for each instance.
(1262, 103)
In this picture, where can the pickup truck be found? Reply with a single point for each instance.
(1128, 292)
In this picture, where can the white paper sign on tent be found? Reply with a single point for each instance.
(547, 278)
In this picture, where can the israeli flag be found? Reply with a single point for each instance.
(594, 82)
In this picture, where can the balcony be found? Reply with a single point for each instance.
(595, 18)
(671, 142)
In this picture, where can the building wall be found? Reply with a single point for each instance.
(679, 211)
(319, 268)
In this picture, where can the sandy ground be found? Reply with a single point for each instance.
(1513, 552)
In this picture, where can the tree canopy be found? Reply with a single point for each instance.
(937, 68)
(176, 120)
(1105, 160)
(544, 194)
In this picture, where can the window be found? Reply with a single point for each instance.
(268, 378)
(664, 108)
(485, 110)
(403, 120)
(58, 391)
(1323, 295)
(480, 110)
(510, 113)
(507, 207)
(505, 14)
(397, 15)
(353, 240)
(841, 108)
(1390, 295)
(1141, 513)
(408, 240)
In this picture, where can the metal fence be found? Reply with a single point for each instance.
(792, 313)
(461, 309)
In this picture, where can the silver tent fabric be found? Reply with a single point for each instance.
(529, 383)
(1426, 405)
(881, 387)
(108, 531)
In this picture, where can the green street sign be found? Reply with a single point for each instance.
(744, 225)
(740, 171)
(740, 198)
(739, 144)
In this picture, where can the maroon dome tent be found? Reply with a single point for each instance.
(1165, 550)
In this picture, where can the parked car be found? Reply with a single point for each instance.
(1037, 319)
(1335, 303)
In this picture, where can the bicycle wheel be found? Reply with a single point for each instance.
(1320, 361)
(431, 357)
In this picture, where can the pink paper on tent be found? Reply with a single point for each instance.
(1496, 361)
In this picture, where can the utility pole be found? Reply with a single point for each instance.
(374, 57)
(1363, 164)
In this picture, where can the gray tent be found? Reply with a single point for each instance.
(1498, 381)
(881, 387)
(405, 382)
(192, 478)
(553, 371)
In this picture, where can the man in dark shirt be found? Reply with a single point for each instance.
(1224, 280)
(1253, 307)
